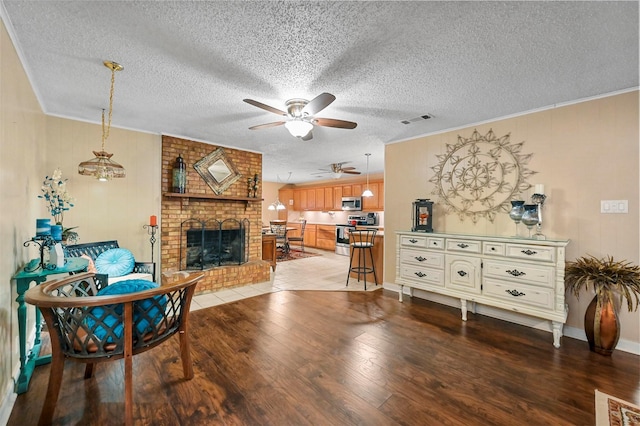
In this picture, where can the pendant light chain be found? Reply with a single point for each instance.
(105, 133)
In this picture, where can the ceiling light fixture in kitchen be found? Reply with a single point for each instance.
(367, 192)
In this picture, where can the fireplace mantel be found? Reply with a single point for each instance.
(211, 197)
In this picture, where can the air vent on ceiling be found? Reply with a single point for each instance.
(420, 118)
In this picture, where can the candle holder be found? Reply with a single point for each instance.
(43, 242)
(539, 200)
(151, 230)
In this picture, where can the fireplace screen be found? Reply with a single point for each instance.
(211, 243)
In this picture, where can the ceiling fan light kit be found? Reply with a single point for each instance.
(102, 167)
(300, 116)
(298, 128)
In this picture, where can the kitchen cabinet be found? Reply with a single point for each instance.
(328, 198)
(319, 198)
(337, 198)
(520, 275)
(269, 249)
(356, 190)
(296, 200)
(326, 237)
(371, 203)
(310, 235)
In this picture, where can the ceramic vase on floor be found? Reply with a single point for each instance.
(602, 326)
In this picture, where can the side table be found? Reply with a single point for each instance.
(23, 280)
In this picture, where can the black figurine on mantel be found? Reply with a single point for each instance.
(179, 176)
(422, 215)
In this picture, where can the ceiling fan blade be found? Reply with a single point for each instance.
(332, 122)
(308, 136)
(351, 172)
(267, 125)
(348, 168)
(318, 103)
(265, 107)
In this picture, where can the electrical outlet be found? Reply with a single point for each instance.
(614, 206)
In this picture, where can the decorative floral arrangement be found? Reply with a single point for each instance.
(57, 199)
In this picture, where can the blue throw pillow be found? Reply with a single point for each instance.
(115, 262)
(145, 312)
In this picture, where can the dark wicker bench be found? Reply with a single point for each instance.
(93, 250)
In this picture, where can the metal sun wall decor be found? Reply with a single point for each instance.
(480, 175)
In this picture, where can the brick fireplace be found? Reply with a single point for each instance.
(200, 204)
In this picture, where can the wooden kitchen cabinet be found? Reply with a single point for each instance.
(319, 198)
(326, 237)
(310, 235)
(337, 198)
(371, 203)
(328, 198)
(296, 200)
(269, 249)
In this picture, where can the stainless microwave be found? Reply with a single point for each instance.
(351, 203)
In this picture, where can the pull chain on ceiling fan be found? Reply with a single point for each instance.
(300, 116)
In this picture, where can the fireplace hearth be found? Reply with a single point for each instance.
(207, 244)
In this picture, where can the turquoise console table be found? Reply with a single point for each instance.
(23, 280)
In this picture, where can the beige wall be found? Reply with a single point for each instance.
(22, 133)
(583, 153)
(32, 145)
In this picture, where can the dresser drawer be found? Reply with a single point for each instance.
(519, 294)
(435, 243)
(493, 249)
(413, 241)
(520, 273)
(423, 258)
(531, 252)
(432, 277)
(466, 246)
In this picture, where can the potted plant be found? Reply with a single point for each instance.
(612, 282)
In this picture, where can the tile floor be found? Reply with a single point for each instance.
(327, 272)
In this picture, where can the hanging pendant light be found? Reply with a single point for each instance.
(277, 205)
(102, 167)
(367, 192)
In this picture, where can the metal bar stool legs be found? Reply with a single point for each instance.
(362, 242)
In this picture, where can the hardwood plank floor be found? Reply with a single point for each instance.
(346, 358)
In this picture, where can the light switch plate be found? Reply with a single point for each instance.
(614, 206)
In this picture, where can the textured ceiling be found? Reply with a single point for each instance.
(189, 65)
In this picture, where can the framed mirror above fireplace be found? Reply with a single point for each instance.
(217, 170)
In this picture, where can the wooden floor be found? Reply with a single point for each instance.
(347, 358)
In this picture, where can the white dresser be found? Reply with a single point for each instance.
(516, 274)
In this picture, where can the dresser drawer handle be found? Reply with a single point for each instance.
(462, 273)
(493, 249)
(420, 274)
(413, 241)
(515, 273)
(529, 252)
(435, 243)
(420, 258)
(515, 293)
(463, 245)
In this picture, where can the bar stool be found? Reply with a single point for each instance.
(361, 241)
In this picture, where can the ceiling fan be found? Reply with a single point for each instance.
(338, 170)
(301, 116)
